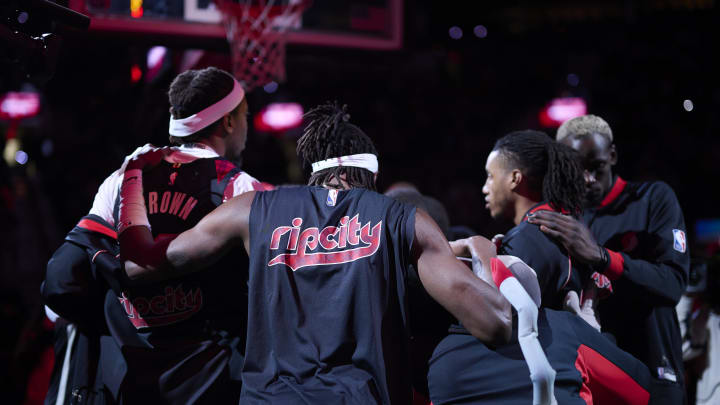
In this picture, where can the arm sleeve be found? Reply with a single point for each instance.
(104, 202)
(665, 276)
(542, 374)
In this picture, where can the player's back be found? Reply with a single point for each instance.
(195, 324)
(327, 297)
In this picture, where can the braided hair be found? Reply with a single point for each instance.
(329, 134)
(552, 169)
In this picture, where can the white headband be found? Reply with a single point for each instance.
(364, 160)
(190, 125)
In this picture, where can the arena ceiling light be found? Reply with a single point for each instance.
(560, 110)
(279, 117)
(19, 105)
(15, 106)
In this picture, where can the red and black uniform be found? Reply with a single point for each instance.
(590, 369)
(195, 324)
(181, 340)
(642, 226)
(555, 272)
(327, 309)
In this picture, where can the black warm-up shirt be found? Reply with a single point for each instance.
(327, 304)
(590, 369)
(642, 226)
(555, 271)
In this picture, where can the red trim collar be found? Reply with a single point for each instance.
(615, 191)
(541, 207)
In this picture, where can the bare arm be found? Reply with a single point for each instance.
(479, 306)
(194, 249)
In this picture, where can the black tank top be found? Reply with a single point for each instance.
(327, 308)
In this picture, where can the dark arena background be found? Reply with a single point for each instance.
(433, 83)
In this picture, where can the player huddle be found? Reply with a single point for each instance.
(311, 294)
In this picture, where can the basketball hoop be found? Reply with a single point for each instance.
(256, 31)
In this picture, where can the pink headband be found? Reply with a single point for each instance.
(189, 125)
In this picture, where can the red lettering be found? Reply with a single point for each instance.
(302, 259)
(308, 240)
(165, 202)
(152, 202)
(189, 205)
(292, 242)
(276, 235)
(177, 201)
(157, 305)
(326, 240)
(162, 308)
(127, 305)
(197, 300)
(342, 238)
(179, 299)
(353, 236)
(371, 238)
(169, 299)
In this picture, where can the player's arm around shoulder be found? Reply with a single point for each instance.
(192, 250)
(479, 306)
(225, 227)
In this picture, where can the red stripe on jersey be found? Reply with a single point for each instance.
(262, 186)
(606, 383)
(223, 167)
(91, 225)
(230, 188)
(615, 191)
(544, 207)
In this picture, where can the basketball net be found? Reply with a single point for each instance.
(256, 31)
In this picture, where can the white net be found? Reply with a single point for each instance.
(256, 31)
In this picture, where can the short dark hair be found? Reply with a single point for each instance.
(194, 90)
(553, 169)
(329, 134)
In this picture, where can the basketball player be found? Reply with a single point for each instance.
(588, 368)
(328, 271)
(527, 172)
(634, 233)
(187, 335)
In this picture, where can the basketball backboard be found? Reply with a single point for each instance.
(366, 24)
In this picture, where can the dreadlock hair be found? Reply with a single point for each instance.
(329, 134)
(552, 169)
(194, 90)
